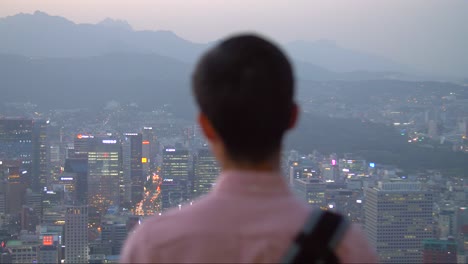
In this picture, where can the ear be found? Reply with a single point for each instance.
(207, 128)
(294, 116)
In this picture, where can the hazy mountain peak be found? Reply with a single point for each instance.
(38, 18)
(115, 24)
(40, 13)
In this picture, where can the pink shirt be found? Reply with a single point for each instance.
(249, 217)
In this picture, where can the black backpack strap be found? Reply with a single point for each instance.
(318, 239)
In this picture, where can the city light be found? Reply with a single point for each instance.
(66, 179)
(119, 153)
(47, 240)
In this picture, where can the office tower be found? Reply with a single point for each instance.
(15, 185)
(439, 251)
(398, 218)
(48, 254)
(312, 191)
(447, 223)
(51, 199)
(68, 183)
(21, 251)
(76, 234)
(293, 172)
(32, 210)
(175, 177)
(113, 236)
(34, 200)
(206, 171)
(104, 173)
(49, 250)
(39, 155)
(79, 167)
(81, 145)
(16, 144)
(133, 165)
(147, 149)
(29, 219)
(302, 168)
(54, 153)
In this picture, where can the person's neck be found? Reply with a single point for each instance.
(272, 165)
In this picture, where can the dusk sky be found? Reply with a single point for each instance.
(427, 34)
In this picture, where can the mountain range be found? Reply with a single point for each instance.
(56, 63)
(42, 35)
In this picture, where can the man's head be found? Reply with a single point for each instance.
(244, 88)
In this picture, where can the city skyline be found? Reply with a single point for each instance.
(107, 134)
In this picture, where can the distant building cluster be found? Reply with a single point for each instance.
(75, 184)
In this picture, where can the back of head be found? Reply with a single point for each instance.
(245, 88)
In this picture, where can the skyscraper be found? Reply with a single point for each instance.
(104, 173)
(76, 234)
(174, 172)
(312, 191)
(39, 155)
(440, 251)
(15, 185)
(113, 236)
(133, 165)
(147, 147)
(206, 171)
(398, 219)
(16, 144)
(81, 145)
(79, 166)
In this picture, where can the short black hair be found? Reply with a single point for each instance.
(245, 87)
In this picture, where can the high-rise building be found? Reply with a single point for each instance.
(33, 201)
(447, 223)
(81, 145)
(133, 165)
(175, 169)
(294, 171)
(312, 191)
(21, 251)
(39, 155)
(79, 167)
(49, 251)
(206, 172)
(113, 236)
(439, 251)
(398, 218)
(68, 183)
(302, 168)
(147, 148)
(29, 219)
(76, 234)
(48, 254)
(16, 144)
(105, 175)
(15, 185)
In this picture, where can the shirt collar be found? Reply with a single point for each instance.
(251, 183)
